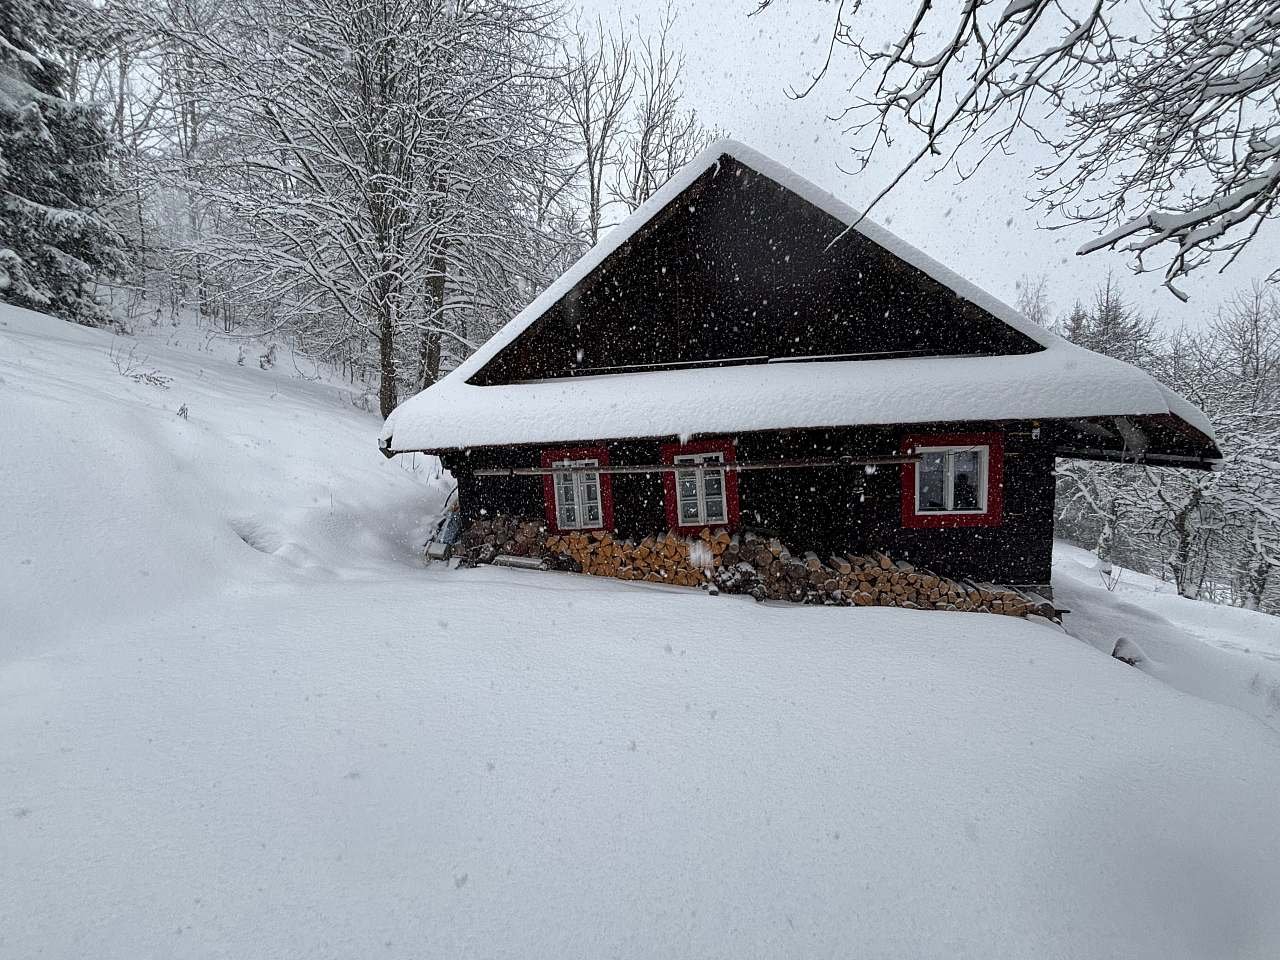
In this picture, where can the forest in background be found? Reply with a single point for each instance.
(1215, 536)
(386, 182)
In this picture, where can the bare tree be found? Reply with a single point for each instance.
(662, 136)
(597, 83)
(375, 145)
(1216, 535)
(1172, 136)
(1033, 300)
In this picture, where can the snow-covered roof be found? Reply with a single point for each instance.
(1061, 381)
(1054, 383)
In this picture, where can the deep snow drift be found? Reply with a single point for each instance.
(1223, 654)
(239, 719)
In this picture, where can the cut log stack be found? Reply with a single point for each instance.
(751, 564)
(661, 559)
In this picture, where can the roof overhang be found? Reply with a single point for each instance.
(1118, 412)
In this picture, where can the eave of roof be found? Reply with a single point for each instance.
(1056, 383)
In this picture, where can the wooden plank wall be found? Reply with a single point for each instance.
(820, 509)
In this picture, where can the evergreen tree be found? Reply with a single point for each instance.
(55, 173)
(1076, 325)
(1111, 326)
(1117, 329)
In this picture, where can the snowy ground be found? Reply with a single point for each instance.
(239, 719)
(1223, 654)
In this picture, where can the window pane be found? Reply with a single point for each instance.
(688, 511)
(715, 510)
(568, 515)
(713, 483)
(687, 485)
(592, 512)
(930, 473)
(967, 474)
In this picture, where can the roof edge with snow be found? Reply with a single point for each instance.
(1061, 381)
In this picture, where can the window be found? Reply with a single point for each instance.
(705, 494)
(958, 480)
(578, 504)
(951, 480)
(577, 497)
(700, 493)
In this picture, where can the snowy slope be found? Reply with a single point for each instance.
(238, 719)
(1223, 654)
(118, 504)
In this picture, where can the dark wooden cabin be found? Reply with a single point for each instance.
(746, 352)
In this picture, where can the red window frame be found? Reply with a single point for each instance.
(601, 456)
(732, 508)
(993, 516)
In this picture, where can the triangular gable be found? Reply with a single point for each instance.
(732, 261)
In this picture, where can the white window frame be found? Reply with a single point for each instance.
(577, 482)
(949, 479)
(700, 479)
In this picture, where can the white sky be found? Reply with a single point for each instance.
(737, 71)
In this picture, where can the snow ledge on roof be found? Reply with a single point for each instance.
(1059, 382)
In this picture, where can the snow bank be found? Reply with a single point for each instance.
(1224, 654)
(1062, 381)
(238, 720)
(113, 503)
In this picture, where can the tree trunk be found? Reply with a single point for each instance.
(429, 346)
(1257, 571)
(1104, 547)
(429, 359)
(1255, 583)
(1184, 532)
(388, 395)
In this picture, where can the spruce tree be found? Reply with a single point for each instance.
(1117, 329)
(55, 172)
(1111, 326)
(1076, 326)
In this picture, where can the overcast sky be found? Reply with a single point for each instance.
(737, 72)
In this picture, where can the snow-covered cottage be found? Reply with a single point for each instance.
(745, 352)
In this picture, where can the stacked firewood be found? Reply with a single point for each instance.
(486, 539)
(666, 558)
(769, 571)
(751, 564)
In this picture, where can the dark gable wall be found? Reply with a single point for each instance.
(738, 269)
(824, 509)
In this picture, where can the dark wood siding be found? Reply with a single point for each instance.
(740, 269)
(824, 509)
